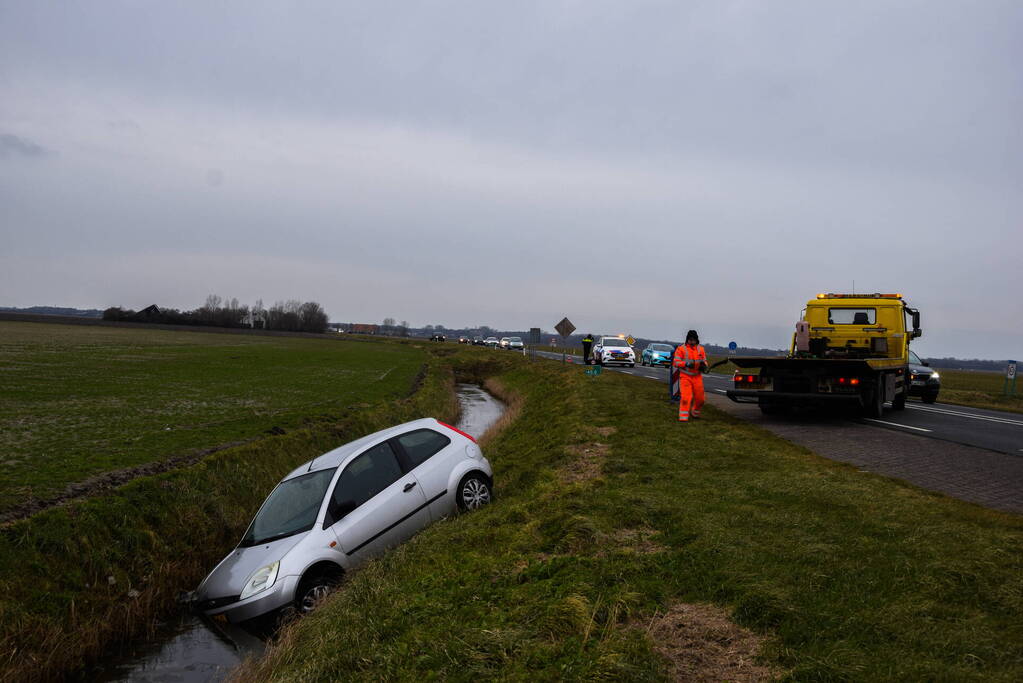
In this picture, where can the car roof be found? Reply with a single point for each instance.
(340, 455)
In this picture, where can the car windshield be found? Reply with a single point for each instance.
(516, 339)
(613, 341)
(290, 509)
(661, 347)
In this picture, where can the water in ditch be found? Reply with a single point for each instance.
(188, 650)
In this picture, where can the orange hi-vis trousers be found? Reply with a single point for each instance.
(691, 391)
(690, 381)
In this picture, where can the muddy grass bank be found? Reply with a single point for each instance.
(79, 577)
(622, 545)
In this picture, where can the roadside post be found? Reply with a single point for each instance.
(564, 328)
(1010, 379)
(534, 341)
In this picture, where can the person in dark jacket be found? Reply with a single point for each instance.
(587, 345)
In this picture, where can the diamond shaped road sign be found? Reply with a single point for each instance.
(565, 327)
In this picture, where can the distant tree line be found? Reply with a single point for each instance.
(291, 315)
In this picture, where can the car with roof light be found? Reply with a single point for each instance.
(924, 381)
(657, 354)
(609, 350)
(340, 509)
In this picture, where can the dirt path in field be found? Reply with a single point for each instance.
(106, 481)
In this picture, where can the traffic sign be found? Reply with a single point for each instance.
(1010, 371)
(732, 346)
(534, 335)
(565, 327)
(631, 340)
(1010, 379)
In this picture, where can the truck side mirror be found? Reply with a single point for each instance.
(915, 315)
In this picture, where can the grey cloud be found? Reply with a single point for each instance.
(12, 146)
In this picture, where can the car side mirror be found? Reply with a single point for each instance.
(339, 511)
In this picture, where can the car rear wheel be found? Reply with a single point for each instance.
(474, 491)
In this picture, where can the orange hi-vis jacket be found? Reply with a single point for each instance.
(684, 353)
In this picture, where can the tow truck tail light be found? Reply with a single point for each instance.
(849, 380)
(739, 379)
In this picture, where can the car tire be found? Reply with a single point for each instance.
(929, 398)
(474, 491)
(313, 588)
(632, 365)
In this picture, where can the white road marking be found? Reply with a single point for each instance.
(943, 411)
(896, 424)
(721, 391)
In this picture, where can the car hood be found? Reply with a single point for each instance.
(920, 370)
(230, 575)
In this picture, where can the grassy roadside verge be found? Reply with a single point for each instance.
(610, 514)
(77, 578)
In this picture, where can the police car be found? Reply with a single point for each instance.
(610, 350)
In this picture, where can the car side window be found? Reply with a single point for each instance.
(365, 477)
(421, 444)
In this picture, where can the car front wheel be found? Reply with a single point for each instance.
(474, 491)
(930, 397)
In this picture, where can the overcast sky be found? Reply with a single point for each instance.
(641, 167)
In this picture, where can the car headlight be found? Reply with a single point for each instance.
(935, 375)
(261, 579)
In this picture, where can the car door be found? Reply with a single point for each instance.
(432, 456)
(375, 504)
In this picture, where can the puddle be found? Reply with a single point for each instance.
(187, 650)
(479, 409)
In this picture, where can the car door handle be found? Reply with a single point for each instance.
(409, 486)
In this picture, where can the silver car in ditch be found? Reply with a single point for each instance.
(342, 508)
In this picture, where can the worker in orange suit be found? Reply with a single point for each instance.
(691, 361)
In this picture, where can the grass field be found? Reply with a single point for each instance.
(980, 390)
(78, 401)
(611, 515)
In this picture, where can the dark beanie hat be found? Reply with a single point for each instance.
(691, 334)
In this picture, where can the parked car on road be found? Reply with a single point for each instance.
(504, 342)
(342, 508)
(463, 340)
(438, 337)
(492, 342)
(657, 354)
(923, 381)
(478, 341)
(515, 344)
(613, 350)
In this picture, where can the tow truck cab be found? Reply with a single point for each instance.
(851, 348)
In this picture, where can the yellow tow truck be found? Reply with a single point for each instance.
(847, 348)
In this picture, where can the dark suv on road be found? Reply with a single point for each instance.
(923, 381)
